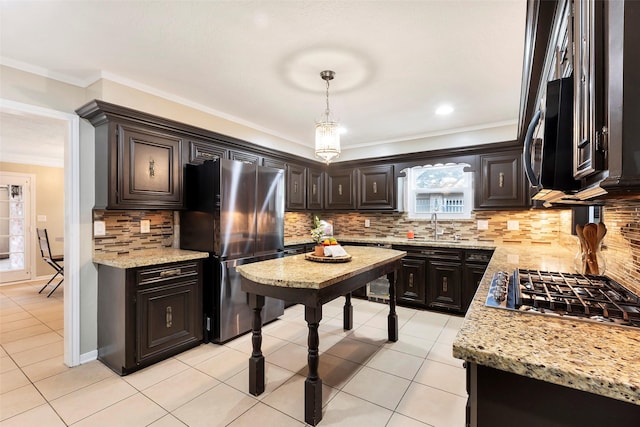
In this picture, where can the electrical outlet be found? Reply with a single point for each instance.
(483, 224)
(513, 258)
(145, 226)
(367, 223)
(513, 225)
(99, 228)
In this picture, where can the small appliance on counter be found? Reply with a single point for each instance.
(567, 295)
(236, 213)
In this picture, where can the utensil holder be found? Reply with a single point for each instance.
(589, 262)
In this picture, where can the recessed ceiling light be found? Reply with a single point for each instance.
(444, 110)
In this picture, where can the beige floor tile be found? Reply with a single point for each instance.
(285, 330)
(422, 328)
(167, 421)
(19, 401)
(217, 407)
(45, 368)
(289, 398)
(409, 344)
(2, 352)
(396, 363)
(353, 350)
(269, 344)
(443, 377)
(441, 352)
(448, 334)
(380, 320)
(267, 416)
(332, 325)
(274, 378)
(225, 365)
(377, 387)
(18, 324)
(11, 380)
(347, 410)
(82, 403)
(201, 353)
(179, 389)
(434, 407)
(399, 420)
(73, 379)
(371, 335)
(134, 411)
(42, 415)
(32, 342)
(40, 353)
(334, 371)
(7, 364)
(292, 357)
(153, 374)
(55, 324)
(22, 333)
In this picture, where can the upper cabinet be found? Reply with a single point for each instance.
(500, 183)
(199, 151)
(296, 191)
(341, 189)
(315, 189)
(376, 187)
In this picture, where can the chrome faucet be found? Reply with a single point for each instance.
(434, 222)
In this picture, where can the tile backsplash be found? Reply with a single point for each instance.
(123, 231)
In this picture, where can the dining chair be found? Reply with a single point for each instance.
(52, 260)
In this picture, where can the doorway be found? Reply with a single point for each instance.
(15, 227)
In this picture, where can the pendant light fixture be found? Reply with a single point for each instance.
(327, 130)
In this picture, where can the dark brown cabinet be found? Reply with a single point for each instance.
(315, 189)
(475, 264)
(410, 285)
(199, 151)
(274, 163)
(245, 157)
(376, 187)
(444, 282)
(501, 182)
(296, 188)
(340, 189)
(147, 314)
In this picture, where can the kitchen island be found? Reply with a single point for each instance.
(313, 284)
(527, 369)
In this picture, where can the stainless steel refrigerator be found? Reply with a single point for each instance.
(236, 213)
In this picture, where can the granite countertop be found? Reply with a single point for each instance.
(601, 359)
(147, 257)
(298, 272)
(443, 243)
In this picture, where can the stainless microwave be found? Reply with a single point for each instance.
(549, 162)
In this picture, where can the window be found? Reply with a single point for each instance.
(445, 189)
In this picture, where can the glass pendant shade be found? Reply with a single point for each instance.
(327, 130)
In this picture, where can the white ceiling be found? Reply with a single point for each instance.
(258, 62)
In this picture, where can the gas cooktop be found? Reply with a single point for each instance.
(579, 296)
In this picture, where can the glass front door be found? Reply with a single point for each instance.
(14, 228)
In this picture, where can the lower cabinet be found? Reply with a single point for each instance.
(147, 314)
(440, 278)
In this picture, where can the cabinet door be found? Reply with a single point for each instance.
(472, 276)
(315, 189)
(501, 182)
(199, 151)
(589, 101)
(296, 186)
(168, 316)
(410, 286)
(444, 285)
(150, 172)
(340, 189)
(273, 163)
(245, 157)
(375, 184)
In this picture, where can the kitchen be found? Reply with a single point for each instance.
(534, 226)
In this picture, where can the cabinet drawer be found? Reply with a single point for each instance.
(444, 254)
(155, 275)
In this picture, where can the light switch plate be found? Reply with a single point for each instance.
(367, 223)
(513, 225)
(483, 224)
(145, 226)
(513, 258)
(99, 228)
(42, 218)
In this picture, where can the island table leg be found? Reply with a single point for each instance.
(313, 383)
(347, 313)
(256, 361)
(392, 319)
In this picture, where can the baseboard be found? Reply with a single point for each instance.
(89, 356)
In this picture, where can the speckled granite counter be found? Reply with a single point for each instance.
(463, 244)
(298, 272)
(600, 359)
(147, 257)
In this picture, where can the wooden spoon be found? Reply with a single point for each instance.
(590, 232)
(602, 231)
(583, 248)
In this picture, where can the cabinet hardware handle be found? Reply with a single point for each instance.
(583, 143)
(340, 189)
(207, 156)
(169, 316)
(501, 179)
(445, 285)
(411, 280)
(314, 189)
(152, 168)
(169, 273)
(295, 187)
(375, 187)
